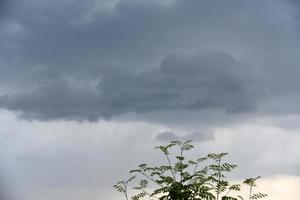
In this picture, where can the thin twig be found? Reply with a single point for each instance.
(171, 168)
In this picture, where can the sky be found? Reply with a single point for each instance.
(88, 88)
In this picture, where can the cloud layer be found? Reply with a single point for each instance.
(210, 80)
(75, 61)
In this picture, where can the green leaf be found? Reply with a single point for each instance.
(258, 196)
(181, 158)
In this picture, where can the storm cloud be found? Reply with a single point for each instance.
(85, 61)
(210, 80)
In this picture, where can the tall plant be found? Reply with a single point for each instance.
(186, 179)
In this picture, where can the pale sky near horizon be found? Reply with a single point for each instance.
(88, 88)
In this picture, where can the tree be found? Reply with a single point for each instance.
(186, 179)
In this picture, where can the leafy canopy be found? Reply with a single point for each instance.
(186, 179)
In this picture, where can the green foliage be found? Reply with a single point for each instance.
(186, 179)
(122, 186)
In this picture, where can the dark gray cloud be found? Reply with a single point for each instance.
(134, 30)
(4, 7)
(69, 60)
(208, 80)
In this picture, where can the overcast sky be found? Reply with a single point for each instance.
(88, 88)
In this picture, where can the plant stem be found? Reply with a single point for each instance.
(171, 168)
(195, 169)
(228, 192)
(181, 171)
(219, 176)
(250, 193)
(150, 194)
(151, 179)
(126, 195)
